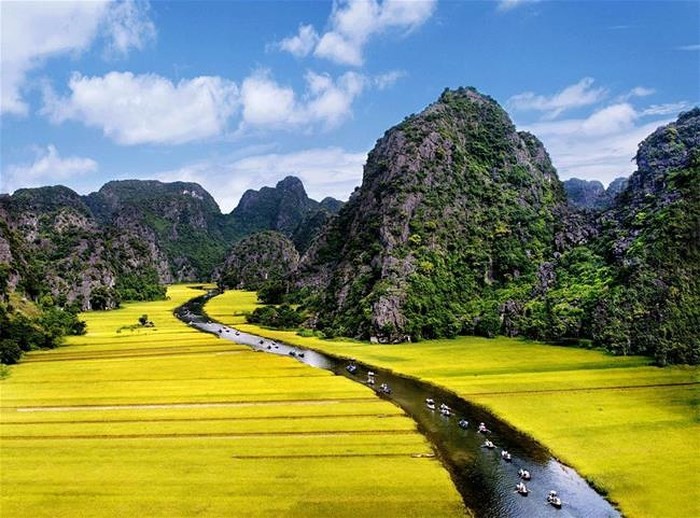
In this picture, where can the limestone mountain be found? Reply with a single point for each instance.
(455, 206)
(179, 223)
(285, 208)
(266, 256)
(56, 246)
(590, 194)
(651, 238)
(462, 226)
(130, 237)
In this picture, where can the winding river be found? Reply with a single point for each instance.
(484, 479)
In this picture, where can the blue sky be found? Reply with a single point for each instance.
(238, 94)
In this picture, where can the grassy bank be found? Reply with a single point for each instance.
(630, 428)
(168, 421)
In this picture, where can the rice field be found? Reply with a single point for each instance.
(630, 428)
(169, 421)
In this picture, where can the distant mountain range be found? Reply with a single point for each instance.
(460, 226)
(133, 235)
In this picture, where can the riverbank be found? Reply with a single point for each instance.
(627, 426)
(169, 421)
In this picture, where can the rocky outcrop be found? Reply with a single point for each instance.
(453, 201)
(590, 194)
(259, 258)
(285, 208)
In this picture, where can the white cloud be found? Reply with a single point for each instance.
(637, 91)
(138, 109)
(33, 32)
(386, 80)
(47, 168)
(507, 5)
(600, 146)
(573, 96)
(267, 104)
(666, 108)
(128, 27)
(302, 44)
(690, 48)
(324, 172)
(353, 23)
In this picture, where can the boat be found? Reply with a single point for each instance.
(522, 489)
(482, 428)
(384, 388)
(445, 410)
(506, 456)
(351, 368)
(524, 474)
(430, 403)
(488, 444)
(463, 424)
(554, 500)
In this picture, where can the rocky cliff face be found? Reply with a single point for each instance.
(55, 244)
(178, 222)
(651, 237)
(454, 202)
(585, 194)
(132, 235)
(287, 209)
(259, 258)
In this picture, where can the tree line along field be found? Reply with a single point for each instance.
(168, 421)
(630, 428)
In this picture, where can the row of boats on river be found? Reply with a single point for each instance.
(552, 497)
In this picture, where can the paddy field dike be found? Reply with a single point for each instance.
(632, 429)
(169, 421)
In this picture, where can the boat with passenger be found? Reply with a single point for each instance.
(553, 499)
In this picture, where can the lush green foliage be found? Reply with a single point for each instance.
(259, 259)
(34, 328)
(280, 317)
(461, 227)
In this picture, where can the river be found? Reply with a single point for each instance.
(483, 477)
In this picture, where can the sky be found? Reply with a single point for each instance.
(239, 94)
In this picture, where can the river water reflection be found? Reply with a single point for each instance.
(484, 479)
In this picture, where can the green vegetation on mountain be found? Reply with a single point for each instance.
(262, 258)
(127, 240)
(461, 226)
(455, 213)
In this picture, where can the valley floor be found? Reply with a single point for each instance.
(168, 421)
(630, 428)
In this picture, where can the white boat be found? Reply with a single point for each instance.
(554, 500)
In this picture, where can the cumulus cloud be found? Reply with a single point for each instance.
(33, 32)
(327, 101)
(574, 96)
(600, 146)
(353, 23)
(140, 109)
(324, 171)
(47, 168)
(302, 44)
